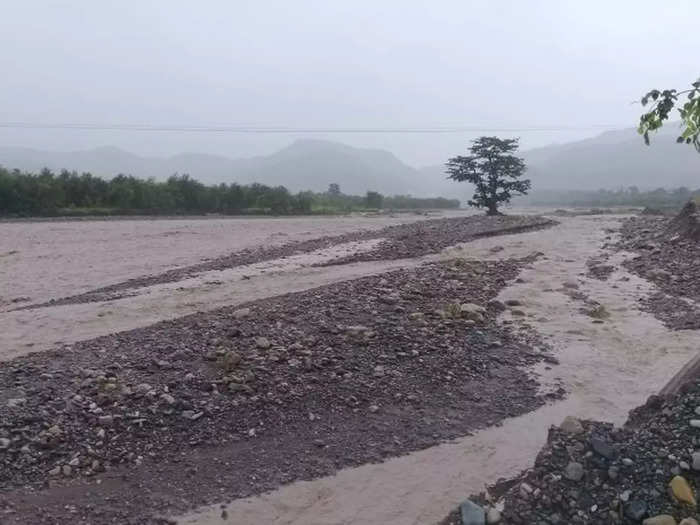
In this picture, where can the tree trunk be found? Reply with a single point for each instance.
(493, 209)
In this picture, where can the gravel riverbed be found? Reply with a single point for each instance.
(234, 402)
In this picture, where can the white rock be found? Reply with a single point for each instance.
(16, 401)
(696, 460)
(493, 516)
(241, 313)
(571, 425)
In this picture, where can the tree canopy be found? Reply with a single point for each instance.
(662, 102)
(68, 193)
(493, 169)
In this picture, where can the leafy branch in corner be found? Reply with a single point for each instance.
(663, 102)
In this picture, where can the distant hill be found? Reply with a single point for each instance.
(610, 160)
(304, 165)
(614, 159)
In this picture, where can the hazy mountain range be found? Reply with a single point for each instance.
(610, 160)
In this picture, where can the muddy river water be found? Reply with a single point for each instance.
(606, 368)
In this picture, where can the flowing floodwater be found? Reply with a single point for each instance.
(607, 369)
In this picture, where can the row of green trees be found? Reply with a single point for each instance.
(335, 199)
(631, 196)
(70, 193)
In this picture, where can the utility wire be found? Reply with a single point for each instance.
(230, 128)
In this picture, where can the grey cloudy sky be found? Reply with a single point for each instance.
(333, 63)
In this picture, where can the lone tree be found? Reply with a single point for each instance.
(493, 169)
(662, 102)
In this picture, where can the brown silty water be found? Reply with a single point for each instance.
(607, 369)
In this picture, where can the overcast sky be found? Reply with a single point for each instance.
(335, 63)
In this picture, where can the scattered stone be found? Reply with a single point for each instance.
(696, 460)
(627, 462)
(661, 519)
(241, 313)
(636, 510)
(16, 402)
(472, 514)
(682, 491)
(571, 425)
(263, 343)
(493, 516)
(142, 389)
(170, 400)
(5, 443)
(574, 471)
(105, 421)
(473, 312)
(603, 448)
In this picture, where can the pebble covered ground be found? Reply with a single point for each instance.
(225, 404)
(400, 241)
(668, 254)
(645, 472)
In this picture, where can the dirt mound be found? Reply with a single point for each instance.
(687, 223)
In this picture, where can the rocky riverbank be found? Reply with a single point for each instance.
(235, 402)
(398, 241)
(647, 471)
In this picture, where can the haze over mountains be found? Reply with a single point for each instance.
(610, 160)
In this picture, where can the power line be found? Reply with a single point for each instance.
(231, 128)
